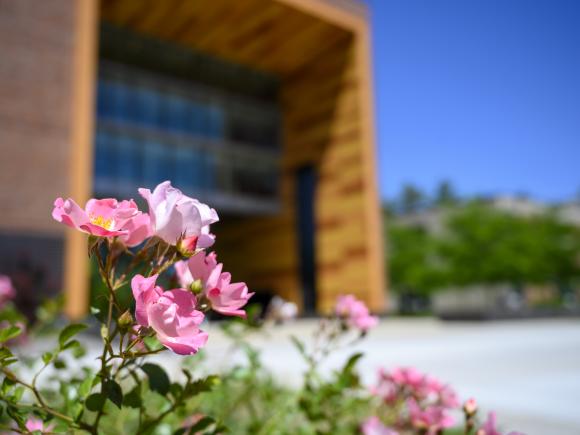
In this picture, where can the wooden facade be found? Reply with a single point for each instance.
(320, 51)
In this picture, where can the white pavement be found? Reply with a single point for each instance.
(526, 370)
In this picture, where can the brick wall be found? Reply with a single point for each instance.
(35, 89)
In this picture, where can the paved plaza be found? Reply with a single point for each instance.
(526, 370)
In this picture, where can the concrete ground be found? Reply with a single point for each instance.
(528, 371)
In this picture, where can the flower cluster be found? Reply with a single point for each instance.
(203, 275)
(424, 400)
(413, 402)
(179, 226)
(355, 313)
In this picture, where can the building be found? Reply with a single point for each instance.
(261, 108)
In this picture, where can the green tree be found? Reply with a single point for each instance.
(484, 245)
(445, 194)
(411, 199)
(413, 260)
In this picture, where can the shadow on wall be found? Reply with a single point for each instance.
(274, 252)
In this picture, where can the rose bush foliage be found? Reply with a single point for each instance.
(160, 285)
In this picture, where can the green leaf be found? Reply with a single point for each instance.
(158, 379)
(349, 366)
(133, 398)
(95, 402)
(9, 333)
(7, 383)
(17, 394)
(16, 415)
(176, 390)
(79, 351)
(46, 357)
(201, 386)
(152, 343)
(77, 410)
(59, 364)
(219, 429)
(71, 344)
(113, 392)
(202, 424)
(86, 386)
(69, 332)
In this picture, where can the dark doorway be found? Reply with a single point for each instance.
(305, 191)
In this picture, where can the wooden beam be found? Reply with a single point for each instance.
(373, 215)
(352, 18)
(81, 151)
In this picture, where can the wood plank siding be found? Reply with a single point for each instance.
(314, 48)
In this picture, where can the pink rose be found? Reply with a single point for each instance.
(6, 290)
(433, 418)
(443, 393)
(224, 296)
(489, 426)
(35, 424)
(355, 313)
(101, 217)
(139, 229)
(171, 314)
(408, 376)
(175, 216)
(201, 264)
(374, 426)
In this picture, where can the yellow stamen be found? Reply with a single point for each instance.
(102, 222)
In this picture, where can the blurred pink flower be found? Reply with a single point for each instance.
(432, 418)
(171, 314)
(355, 313)
(101, 217)
(35, 424)
(470, 406)
(444, 393)
(175, 216)
(224, 296)
(7, 291)
(407, 376)
(374, 426)
(489, 426)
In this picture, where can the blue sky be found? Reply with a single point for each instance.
(484, 93)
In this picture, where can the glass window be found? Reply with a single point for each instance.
(153, 128)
